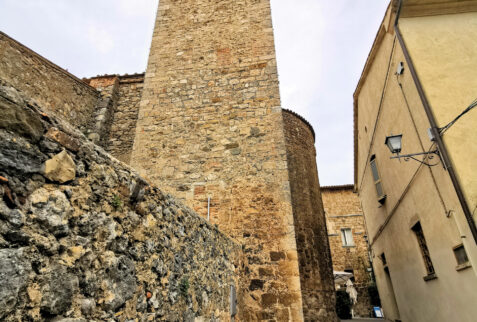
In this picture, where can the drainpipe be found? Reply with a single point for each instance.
(435, 130)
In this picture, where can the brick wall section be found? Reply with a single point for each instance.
(210, 125)
(316, 275)
(343, 210)
(51, 86)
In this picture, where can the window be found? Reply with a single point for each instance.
(417, 228)
(377, 179)
(461, 257)
(383, 259)
(347, 237)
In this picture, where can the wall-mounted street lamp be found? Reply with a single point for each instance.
(394, 143)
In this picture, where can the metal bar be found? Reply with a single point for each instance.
(208, 209)
(414, 154)
(435, 130)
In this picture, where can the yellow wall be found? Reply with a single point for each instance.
(414, 192)
(444, 51)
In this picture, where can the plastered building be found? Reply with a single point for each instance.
(205, 124)
(420, 213)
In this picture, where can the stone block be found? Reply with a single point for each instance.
(63, 139)
(256, 285)
(276, 256)
(269, 300)
(61, 168)
(20, 120)
(14, 270)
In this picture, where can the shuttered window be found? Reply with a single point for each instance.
(377, 179)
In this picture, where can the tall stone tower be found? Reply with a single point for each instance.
(211, 131)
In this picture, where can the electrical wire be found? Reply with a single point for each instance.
(467, 110)
(428, 153)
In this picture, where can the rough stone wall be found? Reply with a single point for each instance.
(82, 237)
(123, 129)
(314, 257)
(108, 87)
(343, 210)
(116, 117)
(210, 125)
(52, 87)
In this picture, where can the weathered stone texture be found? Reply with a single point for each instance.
(103, 245)
(123, 130)
(316, 275)
(210, 125)
(343, 210)
(108, 87)
(52, 87)
(14, 270)
(117, 121)
(205, 124)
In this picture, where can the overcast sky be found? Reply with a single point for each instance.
(322, 46)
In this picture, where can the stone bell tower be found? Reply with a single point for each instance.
(211, 131)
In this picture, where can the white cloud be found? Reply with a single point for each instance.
(137, 7)
(298, 36)
(321, 49)
(101, 39)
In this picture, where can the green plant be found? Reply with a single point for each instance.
(343, 305)
(116, 202)
(184, 286)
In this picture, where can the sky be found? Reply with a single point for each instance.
(321, 45)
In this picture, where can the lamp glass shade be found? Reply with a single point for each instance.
(394, 143)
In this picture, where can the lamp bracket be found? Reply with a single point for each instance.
(407, 157)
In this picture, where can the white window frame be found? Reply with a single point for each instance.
(347, 239)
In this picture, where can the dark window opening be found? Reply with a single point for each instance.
(383, 259)
(421, 240)
(460, 255)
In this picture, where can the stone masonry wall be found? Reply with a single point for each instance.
(116, 118)
(316, 275)
(108, 87)
(210, 126)
(84, 238)
(52, 87)
(123, 129)
(343, 210)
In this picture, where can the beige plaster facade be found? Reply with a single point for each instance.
(420, 220)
